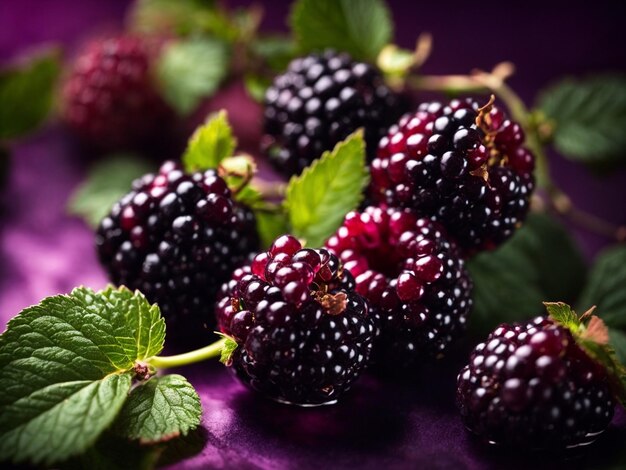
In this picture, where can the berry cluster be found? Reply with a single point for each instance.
(413, 278)
(318, 102)
(304, 334)
(460, 165)
(532, 385)
(109, 98)
(177, 238)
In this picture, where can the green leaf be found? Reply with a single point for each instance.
(274, 51)
(270, 226)
(318, 200)
(256, 86)
(191, 70)
(66, 367)
(179, 17)
(107, 182)
(589, 118)
(395, 61)
(228, 349)
(360, 27)
(210, 144)
(606, 291)
(563, 313)
(540, 262)
(160, 409)
(26, 93)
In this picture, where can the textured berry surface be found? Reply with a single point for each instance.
(531, 385)
(177, 238)
(474, 177)
(413, 278)
(304, 333)
(109, 99)
(318, 102)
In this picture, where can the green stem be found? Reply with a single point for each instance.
(202, 354)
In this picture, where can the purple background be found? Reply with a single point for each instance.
(44, 252)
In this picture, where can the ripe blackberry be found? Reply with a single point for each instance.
(177, 238)
(460, 165)
(304, 334)
(109, 98)
(319, 101)
(413, 278)
(531, 385)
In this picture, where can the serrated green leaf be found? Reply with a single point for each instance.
(229, 347)
(160, 409)
(26, 93)
(106, 183)
(589, 117)
(360, 27)
(210, 144)
(191, 70)
(66, 366)
(563, 313)
(318, 200)
(540, 262)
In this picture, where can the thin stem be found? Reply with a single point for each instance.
(202, 354)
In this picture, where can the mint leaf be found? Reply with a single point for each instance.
(26, 93)
(190, 70)
(66, 367)
(589, 117)
(360, 27)
(540, 262)
(106, 182)
(160, 409)
(210, 144)
(318, 200)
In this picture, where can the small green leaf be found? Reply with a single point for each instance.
(26, 93)
(160, 409)
(270, 226)
(563, 313)
(318, 200)
(107, 182)
(210, 144)
(395, 61)
(228, 349)
(274, 51)
(190, 70)
(256, 86)
(540, 262)
(360, 27)
(66, 367)
(589, 118)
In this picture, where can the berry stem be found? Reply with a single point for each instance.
(208, 352)
(494, 82)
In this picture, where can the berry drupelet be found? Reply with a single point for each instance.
(109, 98)
(531, 385)
(177, 238)
(413, 278)
(319, 101)
(461, 165)
(304, 334)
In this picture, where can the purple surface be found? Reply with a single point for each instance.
(381, 422)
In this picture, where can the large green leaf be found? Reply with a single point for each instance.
(589, 118)
(318, 200)
(360, 27)
(540, 263)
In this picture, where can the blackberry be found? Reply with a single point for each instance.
(413, 278)
(319, 101)
(461, 165)
(177, 238)
(109, 98)
(531, 385)
(304, 333)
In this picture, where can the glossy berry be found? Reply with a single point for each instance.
(465, 169)
(109, 98)
(304, 334)
(319, 101)
(177, 238)
(413, 278)
(530, 385)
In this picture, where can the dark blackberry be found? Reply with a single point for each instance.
(413, 278)
(109, 98)
(462, 167)
(531, 385)
(304, 334)
(319, 101)
(177, 238)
